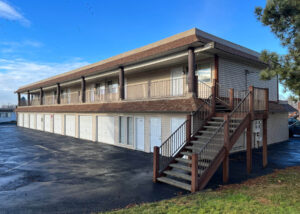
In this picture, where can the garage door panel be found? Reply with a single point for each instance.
(106, 129)
(26, 120)
(20, 119)
(39, 122)
(32, 121)
(85, 127)
(58, 124)
(70, 125)
(48, 119)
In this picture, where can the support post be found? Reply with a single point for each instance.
(251, 102)
(196, 86)
(226, 145)
(265, 143)
(121, 83)
(191, 71)
(155, 163)
(58, 93)
(213, 99)
(231, 99)
(216, 71)
(249, 147)
(267, 100)
(28, 98)
(194, 173)
(19, 99)
(41, 96)
(82, 89)
(188, 128)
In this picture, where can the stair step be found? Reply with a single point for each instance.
(202, 143)
(204, 156)
(210, 132)
(175, 183)
(178, 175)
(180, 166)
(187, 161)
(198, 148)
(216, 127)
(220, 122)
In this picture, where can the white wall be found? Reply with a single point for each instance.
(232, 74)
(278, 128)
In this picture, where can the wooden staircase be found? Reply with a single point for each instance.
(179, 172)
(192, 154)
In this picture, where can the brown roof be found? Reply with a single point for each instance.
(278, 108)
(176, 105)
(188, 38)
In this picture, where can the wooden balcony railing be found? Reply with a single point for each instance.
(49, 100)
(107, 95)
(70, 98)
(175, 87)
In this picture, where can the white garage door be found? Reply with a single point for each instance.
(32, 121)
(48, 122)
(105, 130)
(26, 120)
(86, 127)
(57, 124)
(39, 122)
(70, 125)
(20, 119)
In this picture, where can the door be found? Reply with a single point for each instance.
(32, 121)
(106, 127)
(39, 122)
(20, 119)
(139, 133)
(57, 124)
(70, 125)
(155, 132)
(176, 81)
(47, 122)
(85, 127)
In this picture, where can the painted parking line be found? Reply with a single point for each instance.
(23, 164)
(47, 149)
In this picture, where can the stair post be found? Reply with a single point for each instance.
(231, 99)
(194, 173)
(265, 129)
(155, 163)
(213, 100)
(188, 128)
(226, 145)
(251, 102)
(249, 147)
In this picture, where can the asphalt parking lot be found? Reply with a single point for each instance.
(47, 173)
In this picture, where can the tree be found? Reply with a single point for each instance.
(283, 17)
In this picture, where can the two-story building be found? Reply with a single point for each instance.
(138, 99)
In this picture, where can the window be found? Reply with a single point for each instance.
(204, 72)
(126, 130)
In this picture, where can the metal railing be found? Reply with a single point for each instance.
(172, 145)
(70, 98)
(222, 93)
(211, 148)
(199, 117)
(204, 90)
(97, 96)
(239, 112)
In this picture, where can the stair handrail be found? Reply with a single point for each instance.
(175, 142)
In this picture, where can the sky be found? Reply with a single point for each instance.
(39, 39)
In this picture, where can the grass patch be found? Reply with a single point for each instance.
(278, 192)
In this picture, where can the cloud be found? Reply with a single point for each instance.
(9, 13)
(19, 72)
(12, 47)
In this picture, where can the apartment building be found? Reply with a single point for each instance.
(142, 98)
